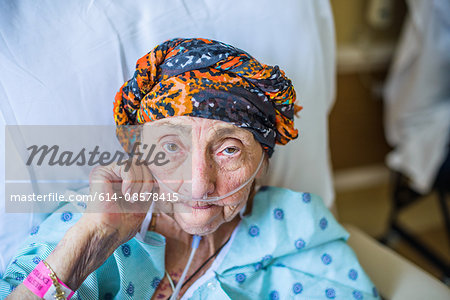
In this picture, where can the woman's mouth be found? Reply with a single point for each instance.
(199, 205)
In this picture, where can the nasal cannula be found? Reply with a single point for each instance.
(195, 238)
(216, 198)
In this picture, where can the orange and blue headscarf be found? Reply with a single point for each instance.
(210, 79)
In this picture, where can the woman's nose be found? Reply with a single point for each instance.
(203, 176)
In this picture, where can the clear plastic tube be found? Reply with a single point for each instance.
(195, 242)
(148, 217)
(216, 198)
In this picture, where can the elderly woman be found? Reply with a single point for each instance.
(219, 109)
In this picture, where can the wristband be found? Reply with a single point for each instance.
(52, 292)
(43, 282)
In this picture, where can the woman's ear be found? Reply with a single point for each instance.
(264, 168)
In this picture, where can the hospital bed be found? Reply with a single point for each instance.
(62, 62)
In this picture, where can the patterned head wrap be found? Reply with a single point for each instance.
(209, 79)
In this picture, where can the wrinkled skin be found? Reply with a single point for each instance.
(217, 158)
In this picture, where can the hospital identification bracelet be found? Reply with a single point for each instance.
(42, 281)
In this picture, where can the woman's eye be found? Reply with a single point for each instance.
(171, 147)
(230, 151)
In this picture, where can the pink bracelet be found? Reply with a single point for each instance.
(40, 283)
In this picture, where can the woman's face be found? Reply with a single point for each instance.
(205, 157)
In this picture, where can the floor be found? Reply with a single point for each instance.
(367, 206)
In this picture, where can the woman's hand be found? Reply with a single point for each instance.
(118, 188)
(103, 227)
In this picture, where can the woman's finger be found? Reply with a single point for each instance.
(136, 185)
(148, 181)
(128, 178)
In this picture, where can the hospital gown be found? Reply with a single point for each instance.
(289, 247)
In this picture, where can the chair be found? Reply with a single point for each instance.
(403, 196)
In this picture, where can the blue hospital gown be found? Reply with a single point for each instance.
(290, 247)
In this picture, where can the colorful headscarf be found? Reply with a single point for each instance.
(209, 79)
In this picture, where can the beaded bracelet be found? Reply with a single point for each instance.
(44, 283)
